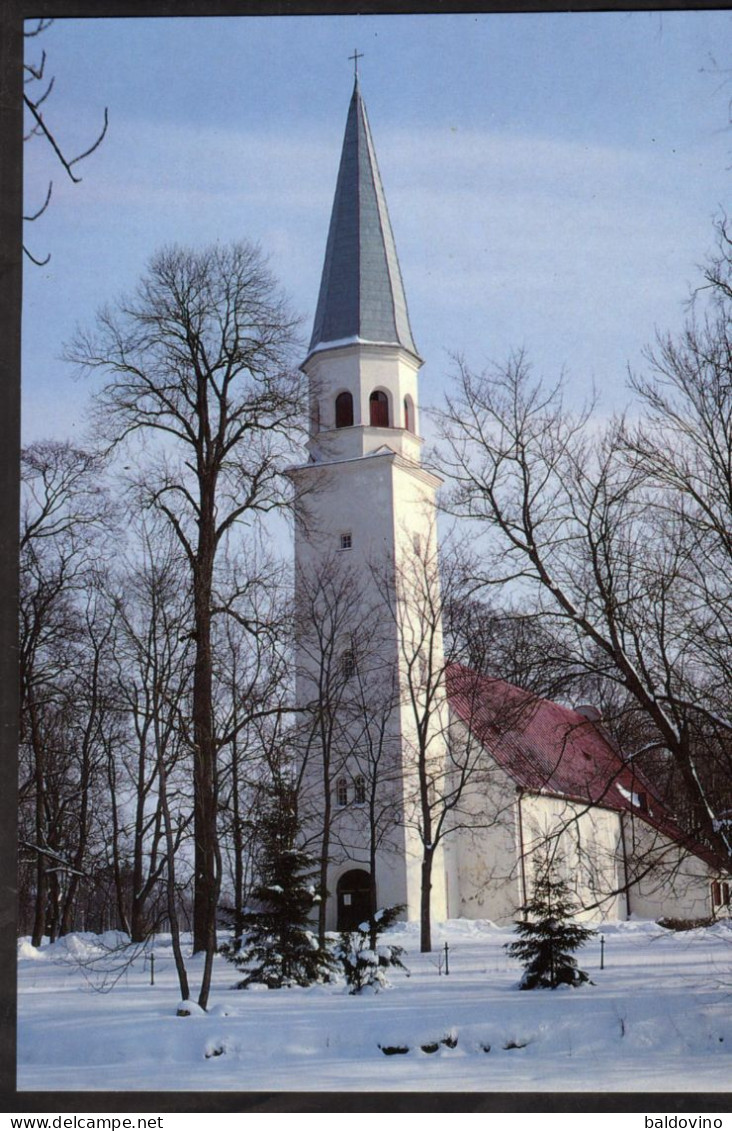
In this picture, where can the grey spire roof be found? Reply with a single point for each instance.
(361, 291)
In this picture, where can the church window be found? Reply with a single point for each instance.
(409, 414)
(348, 663)
(417, 544)
(720, 893)
(342, 792)
(346, 541)
(359, 793)
(344, 410)
(379, 410)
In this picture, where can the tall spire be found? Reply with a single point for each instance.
(361, 291)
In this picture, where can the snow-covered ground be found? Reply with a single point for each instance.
(657, 1018)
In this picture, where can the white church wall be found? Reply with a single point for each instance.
(417, 608)
(586, 843)
(346, 520)
(484, 850)
(489, 871)
(666, 880)
(383, 508)
(353, 497)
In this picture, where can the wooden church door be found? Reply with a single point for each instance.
(353, 892)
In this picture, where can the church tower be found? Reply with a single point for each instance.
(365, 539)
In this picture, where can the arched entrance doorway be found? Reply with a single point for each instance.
(352, 892)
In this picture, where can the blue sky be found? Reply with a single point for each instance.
(552, 179)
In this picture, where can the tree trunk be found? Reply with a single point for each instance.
(428, 844)
(137, 910)
(323, 881)
(119, 891)
(41, 905)
(207, 879)
(238, 838)
(41, 908)
(180, 965)
(67, 916)
(373, 905)
(425, 924)
(54, 906)
(324, 848)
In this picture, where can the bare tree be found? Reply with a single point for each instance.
(151, 768)
(94, 714)
(253, 699)
(199, 358)
(512, 644)
(590, 543)
(717, 271)
(62, 509)
(329, 613)
(38, 87)
(683, 446)
(375, 763)
(153, 686)
(347, 740)
(442, 762)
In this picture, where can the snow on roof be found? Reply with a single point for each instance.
(549, 749)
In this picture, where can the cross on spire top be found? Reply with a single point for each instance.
(356, 56)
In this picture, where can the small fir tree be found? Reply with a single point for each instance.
(549, 934)
(276, 947)
(363, 958)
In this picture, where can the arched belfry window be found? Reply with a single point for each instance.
(409, 414)
(344, 410)
(379, 410)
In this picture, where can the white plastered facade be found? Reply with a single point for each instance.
(368, 517)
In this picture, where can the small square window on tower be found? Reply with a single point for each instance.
(346, 541)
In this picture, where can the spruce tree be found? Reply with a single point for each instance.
(549, 934)
(276, 947)
(363, 958)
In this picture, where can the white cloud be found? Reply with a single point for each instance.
(575, 250)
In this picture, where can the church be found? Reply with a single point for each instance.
(416, 774)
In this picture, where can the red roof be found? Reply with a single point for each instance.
(550, 749)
